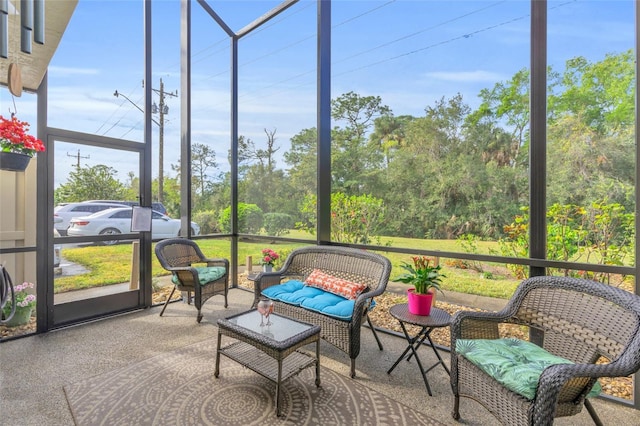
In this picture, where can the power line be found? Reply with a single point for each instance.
(424, 30)
(310, 71)
(450, 40)
(463, 36)
(124, 114)
(162, 109)
(104, 123)
(388, 59)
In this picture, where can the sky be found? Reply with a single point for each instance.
(410, 53)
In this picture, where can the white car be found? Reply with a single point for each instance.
(63, 213)
(118, 221)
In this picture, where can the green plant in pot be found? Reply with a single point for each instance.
(25, 302)
(426, 279)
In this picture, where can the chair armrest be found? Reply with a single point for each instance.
(177, 269)
(362, 302)
(217, 262)
(181, 268)
(621, 367)
(476, 325)
(551, 385)
(265, 280)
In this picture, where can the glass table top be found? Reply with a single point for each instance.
(281, 328)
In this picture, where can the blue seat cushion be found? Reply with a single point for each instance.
(515, 364)
(314, 299)
(206, 274)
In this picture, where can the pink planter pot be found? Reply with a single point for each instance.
(419, 304)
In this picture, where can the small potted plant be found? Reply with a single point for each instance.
(25, 302)
(426, 279)
(16, 146)
(268, 259)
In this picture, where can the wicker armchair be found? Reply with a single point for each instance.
(180, 256)
(580, 320)
(347, 263)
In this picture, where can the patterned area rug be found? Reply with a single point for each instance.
(178, 388)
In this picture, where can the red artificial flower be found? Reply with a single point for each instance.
(14, 137)
(269, 257)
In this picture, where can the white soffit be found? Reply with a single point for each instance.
(34, 65)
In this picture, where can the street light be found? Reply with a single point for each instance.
(118, 94)
(161, 110)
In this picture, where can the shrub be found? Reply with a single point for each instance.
(249, 219)
(208, 222)
(277, 224)
(284, 253)
(355, 219)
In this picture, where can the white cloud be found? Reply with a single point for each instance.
(68, 71)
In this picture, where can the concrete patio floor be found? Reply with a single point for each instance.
(33, 370)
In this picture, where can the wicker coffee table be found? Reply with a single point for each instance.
(437, 318)
(271, 351)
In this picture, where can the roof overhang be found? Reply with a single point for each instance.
(33, 66)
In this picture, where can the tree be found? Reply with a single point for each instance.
(355, 165)
(249, 154)
(203, 158)
(91, 183)
(389, 134)
(601, 93)
(302, 161)
(508, 102)
(358, 111)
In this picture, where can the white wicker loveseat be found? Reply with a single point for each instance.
(357, 266)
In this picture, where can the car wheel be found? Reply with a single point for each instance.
(109, 231)
(193, 232)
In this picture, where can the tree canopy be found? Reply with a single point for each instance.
(452, 171)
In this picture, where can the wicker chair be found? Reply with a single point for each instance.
(180, 256)
(342, 262)
(580, 320)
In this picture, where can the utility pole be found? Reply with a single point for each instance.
(78, 157)
(162, 110)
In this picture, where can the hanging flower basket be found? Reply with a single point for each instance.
(13, 161)
(16, 146)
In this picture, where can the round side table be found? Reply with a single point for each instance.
(437, 318)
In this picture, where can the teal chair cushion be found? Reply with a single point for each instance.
(514, 363)
(206, 274)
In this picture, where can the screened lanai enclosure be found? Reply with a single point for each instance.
(496, 137)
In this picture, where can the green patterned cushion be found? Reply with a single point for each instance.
(515, 364)
(206, 274)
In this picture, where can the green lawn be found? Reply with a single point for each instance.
(112, 264)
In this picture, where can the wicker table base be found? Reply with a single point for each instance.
(269, 351)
